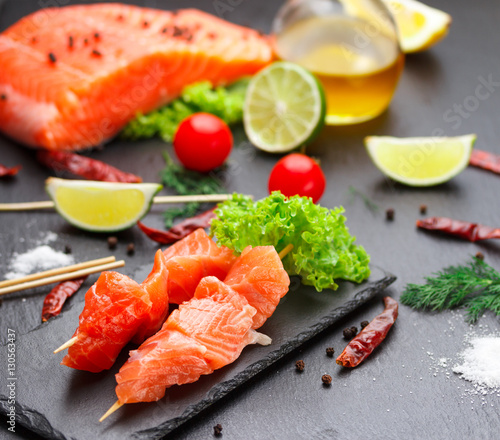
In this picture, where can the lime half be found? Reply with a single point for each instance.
(420, 161)
(101, 206)
(284, 107)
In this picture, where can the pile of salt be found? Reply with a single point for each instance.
(37, 259)
(481, 362)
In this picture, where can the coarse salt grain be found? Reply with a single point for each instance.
(37, 259)
(481, 362)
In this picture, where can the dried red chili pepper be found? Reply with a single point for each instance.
(370, 337)
(467, 231)
(54, 301)
(4, 171)
(84, 167)
(180, 230)
(485, 160)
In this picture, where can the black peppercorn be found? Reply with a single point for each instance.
(112, 242)
(218, 430)
(423, 209)
(389, 214)
(364, 324)
(67, 249)
(130, 249)
(326, 379)
(348, 333)
(330, 351)
(480, 256)
(299, 365)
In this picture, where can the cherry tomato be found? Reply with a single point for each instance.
(297, 174)
(203, 142)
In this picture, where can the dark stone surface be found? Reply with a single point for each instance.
(400, 391)
(49, 410)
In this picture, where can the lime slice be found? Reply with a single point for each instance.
(422, 161)
(420, 26)
(101, 206)
(284, 107)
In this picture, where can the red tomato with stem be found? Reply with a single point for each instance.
(298, 174)
(202, 142)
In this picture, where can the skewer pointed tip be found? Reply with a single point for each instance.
(117, 405)
(67, 344)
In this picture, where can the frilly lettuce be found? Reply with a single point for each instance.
(323, 249)
(224, 102)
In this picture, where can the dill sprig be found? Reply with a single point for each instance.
(186, 182)
(474, 286)
(370, 204)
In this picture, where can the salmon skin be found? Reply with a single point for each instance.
(72, 77)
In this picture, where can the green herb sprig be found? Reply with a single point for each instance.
(186, 182)
(370, 204)
(475, 286)
(224, 102)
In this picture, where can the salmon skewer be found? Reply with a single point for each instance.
(219, 321)
(89, 69)
(117, 310)
(204, 334)
(186, 263)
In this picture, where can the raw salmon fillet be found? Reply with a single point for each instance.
(258, 276)
(156, 286)
(189, 260)
(204, 334)
(115, 306)
(118, 310)
(72, 77)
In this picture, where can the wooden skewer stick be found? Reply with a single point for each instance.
(193, 198)
(62, 277)
(285, 251)
(60, 270)
(207, 198)
(117, 405)
(66, 345)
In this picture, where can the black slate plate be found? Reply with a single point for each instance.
(59, 403)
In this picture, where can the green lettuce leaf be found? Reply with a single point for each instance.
(323, 249)
(224, 102)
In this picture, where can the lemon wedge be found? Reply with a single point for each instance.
(420, 26)
(420, 161)
(101, 206)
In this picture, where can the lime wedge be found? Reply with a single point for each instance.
(284, 107)
(101, 206)
(420, 161)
